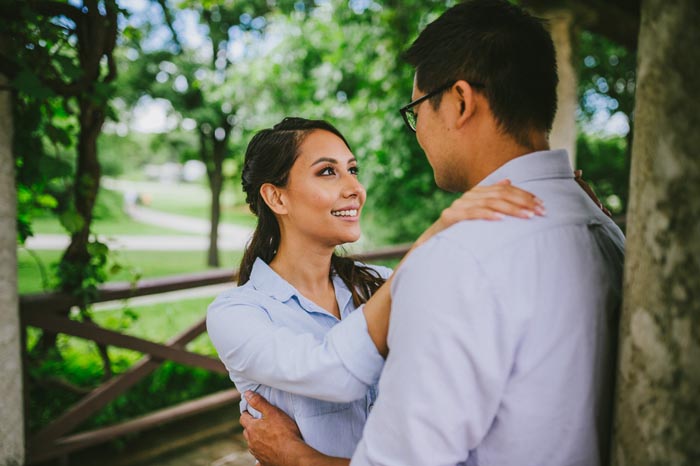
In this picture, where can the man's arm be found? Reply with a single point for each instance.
(275, 439)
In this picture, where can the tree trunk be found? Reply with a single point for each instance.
(87, 184)
(212, 152)
(657, 414)
(11, 404)
(215, 185)
(563, 135)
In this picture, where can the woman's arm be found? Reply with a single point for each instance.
(479, 203)
(346, 362)
(255, 351)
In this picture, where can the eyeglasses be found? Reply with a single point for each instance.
(409, 115)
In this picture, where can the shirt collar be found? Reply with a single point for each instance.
(342, 293)
(267, 281)
(539, 165)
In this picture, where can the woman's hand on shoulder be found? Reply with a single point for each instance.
(492, 202)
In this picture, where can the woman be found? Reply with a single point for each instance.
(277, 332)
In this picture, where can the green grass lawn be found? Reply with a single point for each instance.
(109, 219)
(160, 322)
(191, 200)
(194, 200)
(148, 264)
(123, 225)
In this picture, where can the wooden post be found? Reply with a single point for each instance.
(11, 404)
(563, 135)
(657, 414)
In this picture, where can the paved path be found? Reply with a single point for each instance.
(186, 224)
(224, 451)
(145, 242)
(231, 237)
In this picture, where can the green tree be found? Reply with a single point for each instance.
(342, 62)
(63, 51)
(197, 82)
(607, 81)
(59, 57)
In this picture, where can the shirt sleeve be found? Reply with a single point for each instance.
(251, 346)
(450, 356)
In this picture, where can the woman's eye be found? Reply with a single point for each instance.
(354, 170)
(328, 171)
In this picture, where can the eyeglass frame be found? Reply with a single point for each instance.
(408, 108)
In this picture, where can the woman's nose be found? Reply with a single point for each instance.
(353, 187)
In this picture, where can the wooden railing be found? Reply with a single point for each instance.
(49, 311)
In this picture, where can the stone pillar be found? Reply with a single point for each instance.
(563, 135)
(657, 414)
(11, 404)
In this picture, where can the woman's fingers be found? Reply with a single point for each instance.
(513, 208)
(506, 192)
(492, 203)
(502, 200)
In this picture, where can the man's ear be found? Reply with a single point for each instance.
(272, 195)
(466, 100)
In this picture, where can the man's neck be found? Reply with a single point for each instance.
(494, 152)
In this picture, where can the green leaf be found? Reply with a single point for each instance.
(28, 83)
(58, 135)
(72, 221)
(97, 249)
(46, 201)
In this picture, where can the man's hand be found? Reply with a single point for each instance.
(272, 438)
(275, 439)
(578, 177)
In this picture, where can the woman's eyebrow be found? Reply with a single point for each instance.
(331, 160)
(324, 159)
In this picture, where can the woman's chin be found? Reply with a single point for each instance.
(347, 239)
(353, 238)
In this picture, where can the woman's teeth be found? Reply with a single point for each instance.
(345, 213)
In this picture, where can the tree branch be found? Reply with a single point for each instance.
(52, 8)
(168, 15)
(618, 20)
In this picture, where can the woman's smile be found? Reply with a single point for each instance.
(348, 213)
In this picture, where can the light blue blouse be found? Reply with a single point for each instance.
(278, 343)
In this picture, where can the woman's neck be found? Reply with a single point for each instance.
(305, 267)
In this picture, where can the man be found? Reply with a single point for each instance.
(502, 334)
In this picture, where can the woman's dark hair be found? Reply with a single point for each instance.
(500, 45)
(269, 159)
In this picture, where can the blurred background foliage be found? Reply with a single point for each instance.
(195, 79)
(223, 70)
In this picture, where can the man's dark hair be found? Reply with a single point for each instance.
(500, 45)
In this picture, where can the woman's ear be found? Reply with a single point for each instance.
(272, 195)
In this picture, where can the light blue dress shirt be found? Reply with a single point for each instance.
(502, 336)
(319, 370)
